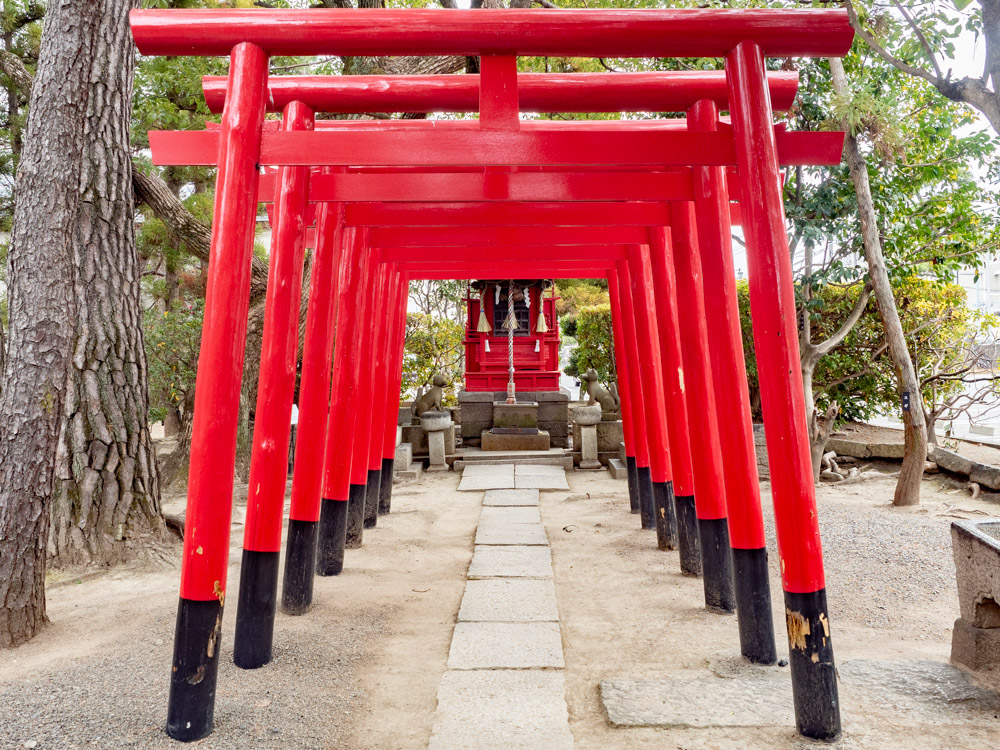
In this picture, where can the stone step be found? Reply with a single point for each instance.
(412, 473)
(617, 468)
(565, 461)
(621, 452)
(404, 454)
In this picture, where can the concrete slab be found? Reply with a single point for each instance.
(507, 533)
(510, 497)
(506, 645)
(509, 600)
(757, 701)
(478, 478)
(539, 470)
(541, 482)
(511, 709)
(494, 515)
(511, 562)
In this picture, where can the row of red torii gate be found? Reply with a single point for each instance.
(646, 204)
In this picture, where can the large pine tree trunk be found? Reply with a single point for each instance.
(41, 276)
(106, 495)
(914, 426)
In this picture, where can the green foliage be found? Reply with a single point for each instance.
(595, 344)
(434, 345)
(173, 340)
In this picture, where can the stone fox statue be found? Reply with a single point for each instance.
(598, 394)
(431, 400)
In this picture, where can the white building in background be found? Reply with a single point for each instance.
(982, 288)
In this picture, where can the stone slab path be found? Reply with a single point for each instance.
(478, 477)
(505, 686)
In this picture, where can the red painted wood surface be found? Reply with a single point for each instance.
(732, 396)
(363, 329)
(545, 214)
(622, 365)
(509, 238)
(637, 388)
(279, 353)
(706, 445)
(674, 374)
(673, 91)
(555, 33)
(447, 147)
(772, 306)
(223, 339)
(383, 304)
(398, 337)
(317, 356)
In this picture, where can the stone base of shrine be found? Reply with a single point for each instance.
(515, 441)
(476, 413)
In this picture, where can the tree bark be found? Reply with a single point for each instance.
(63, 204)
(914, 426)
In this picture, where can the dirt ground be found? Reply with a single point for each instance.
(361, 670)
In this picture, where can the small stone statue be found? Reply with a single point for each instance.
(431, 399)
(598, 394)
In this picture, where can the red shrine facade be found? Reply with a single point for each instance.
(536, 344)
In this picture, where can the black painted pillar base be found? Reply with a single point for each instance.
(663, 512)
(385, 491)
(255, 609)
(717, 564)
(197, 642)
(753, 605)
(300, 567)
(687, 533)
(633, 483)
(332, 537)
(356, 515)
(646, 510)
(373, 491)
(814, 675)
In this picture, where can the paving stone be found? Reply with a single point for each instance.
(761, 700)
(506, 645)
(510, 515)
(511, 497)
(478, 478)
(511, 562)
(510, 709)
(927, 691)
(537, 470)
(490, 532)
(509, 600)
(541, 481)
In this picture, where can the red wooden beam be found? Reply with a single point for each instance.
(555, 33)
(673, 91)
(506, 214)
(512, 239)
(525, 255)
(494, 148)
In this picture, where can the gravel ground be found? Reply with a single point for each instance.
(117, 700)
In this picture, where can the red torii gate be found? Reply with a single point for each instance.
(742, 37)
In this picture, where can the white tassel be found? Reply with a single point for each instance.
(484, 324)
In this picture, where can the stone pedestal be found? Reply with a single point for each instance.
(976, 638)
(588, 418)
(553, 413)
(434, 425)
(537, 440)
(609, 438)
(520, 415)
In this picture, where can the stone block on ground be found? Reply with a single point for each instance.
(976, 547)
(504, 533)
(510, 515)
(506, 645)
(617, 468)
(411, 473)
(509, 600)
(478, 478)
(754, 701)
(404, 454)
(511, 709)
(511, 562)
(953, 462)
(533, 477)
(974, 647)
(494, 441)
(930, 691)
(510, 497)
